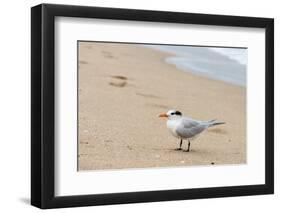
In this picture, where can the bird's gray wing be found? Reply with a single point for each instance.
(189, 128)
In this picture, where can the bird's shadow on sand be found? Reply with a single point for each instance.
(179, 151)
(191, 151)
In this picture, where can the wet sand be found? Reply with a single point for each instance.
(122, 89)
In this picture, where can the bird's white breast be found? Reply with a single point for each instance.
(172, 125)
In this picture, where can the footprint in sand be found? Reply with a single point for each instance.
(118, 81)
(151, 98)
(107, 54)
(147, 95)
(119, 77)
(84, 142)
(83, 62)
(160, 106)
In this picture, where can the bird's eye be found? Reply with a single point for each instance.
(172, 113)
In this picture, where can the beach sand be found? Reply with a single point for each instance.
(123, 88)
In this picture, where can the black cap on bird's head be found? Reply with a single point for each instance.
(176, 113)
(171, 114)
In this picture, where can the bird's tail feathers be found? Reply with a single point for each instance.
(215, 123)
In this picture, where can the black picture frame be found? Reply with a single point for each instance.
(43, 105)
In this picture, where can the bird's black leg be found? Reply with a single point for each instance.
(188, 149)
(180, 145)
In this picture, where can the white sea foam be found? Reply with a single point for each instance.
(225, 64)
(237, 54)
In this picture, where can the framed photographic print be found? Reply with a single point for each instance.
(139, 106)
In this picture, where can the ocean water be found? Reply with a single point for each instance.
(224, 64)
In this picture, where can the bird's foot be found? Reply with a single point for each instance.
(177, 149)
(186, 150)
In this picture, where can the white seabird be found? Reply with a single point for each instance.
(186, 128)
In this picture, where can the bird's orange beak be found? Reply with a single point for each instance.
(163, 115)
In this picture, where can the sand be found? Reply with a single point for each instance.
(123, 88)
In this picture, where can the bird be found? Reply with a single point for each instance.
(185, 128)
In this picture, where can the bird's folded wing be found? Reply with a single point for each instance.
(189, 123)
(189, 128)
